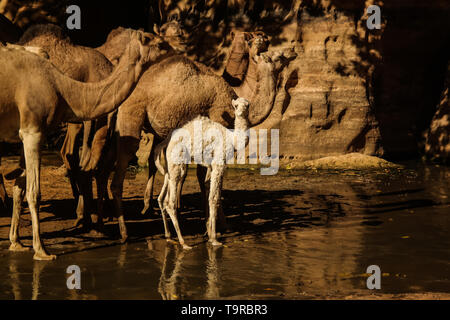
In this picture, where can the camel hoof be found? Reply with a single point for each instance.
(145, 209)
(78, 222)
(123, 239)
(18, 247)
(215, 243)
(42, 256)
(186, 247)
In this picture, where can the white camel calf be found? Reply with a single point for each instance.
(211, 150)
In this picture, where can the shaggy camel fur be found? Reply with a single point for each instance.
(36, 96)
(215, 153)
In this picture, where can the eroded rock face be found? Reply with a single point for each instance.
(326, 108)
(437, 146)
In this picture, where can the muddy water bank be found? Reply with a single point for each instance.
(299, 234)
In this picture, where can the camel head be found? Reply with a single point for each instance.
(240, 106)
(154, 46)
(174, 33)
(278, 60)
(259, 42)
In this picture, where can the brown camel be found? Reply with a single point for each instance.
(82, 64)
(36, 96)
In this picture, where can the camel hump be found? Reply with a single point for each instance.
(43, 30)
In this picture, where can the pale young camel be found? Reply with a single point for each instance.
(216, 145)
(36, 96)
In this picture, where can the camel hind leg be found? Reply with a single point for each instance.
(18, 195)
(148, 195)
(162, 201)
(126, 149)
(159, 154)
(175, 174)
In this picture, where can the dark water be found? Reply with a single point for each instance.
(314, 242)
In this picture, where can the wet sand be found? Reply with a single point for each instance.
(302, 234)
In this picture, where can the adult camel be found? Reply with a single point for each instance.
(36, 96)
(82, 64)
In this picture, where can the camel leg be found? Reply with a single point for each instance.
(214, 202)
(31, 144)
(85, 199)
(174, 178)
(162, 201)
(125, 152)
(204, 177)
(3, 194)
(102, 184)
(70, 156)
(180, 189)
(148, 195)
(201, 177)
(18, 195)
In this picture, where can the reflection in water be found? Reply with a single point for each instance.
(38, 267)
(15, 280)
(212, 273)
(174, 277)
(168, 282)
(314, 242)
